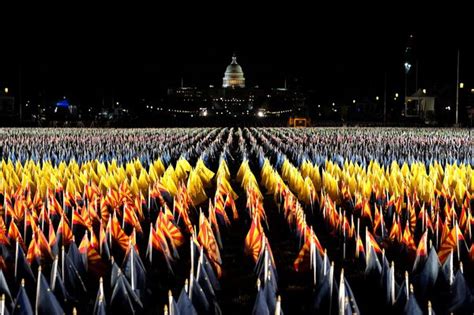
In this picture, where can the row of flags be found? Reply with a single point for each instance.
(80, 222)
(363, 145)
(199, 292)
(330, 294)
(444, 207)
(106, 224)
(82, 145)
(258, 247)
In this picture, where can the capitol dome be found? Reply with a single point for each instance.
(233, 76)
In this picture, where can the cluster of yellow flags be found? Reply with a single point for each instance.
(303, 181)
(170, 180)
(307, 169)
(272, 180)
(223, 179)
(453, 180)
(293, 177)
(73, 178)
(248, 180)
(199, 178)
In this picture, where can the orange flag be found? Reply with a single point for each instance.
(117, 233)
(64, 231)
(253, 240)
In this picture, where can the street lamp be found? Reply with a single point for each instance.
(6, 90)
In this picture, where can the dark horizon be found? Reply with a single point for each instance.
(130, 62)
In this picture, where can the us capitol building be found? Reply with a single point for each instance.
(234, 98)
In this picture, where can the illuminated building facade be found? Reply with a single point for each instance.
(234, 98)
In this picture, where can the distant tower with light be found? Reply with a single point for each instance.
(233, 76)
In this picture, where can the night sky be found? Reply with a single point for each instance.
(138, 53)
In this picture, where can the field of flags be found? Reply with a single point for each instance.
(236, 221)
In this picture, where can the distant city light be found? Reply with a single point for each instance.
(377, 98)
(407, 67)
(472, 90)
(204, 113)
(333, 104)
(461, 85)
(424, 91)
(62, 103)
(396, 94)
(260, 113)
(6, 90)
(354, 101)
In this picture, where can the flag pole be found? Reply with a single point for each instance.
(265, 261)
(170, 302)
(407, 284)
(24, 225)
(451, 271)
(44, 218)
(63, 263)
(2, 305)
(344, 236)
(198, 272)
(16, 257)
(38, 287)
(341, 297)
(150, 249)
(186, 285)
(331, 284)
(278, 306)
(311, 249)
(101, 286)
(132, 267)
(191, 269)
(392, 282)
(54, 275)
(324, 261)
(457, 241)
